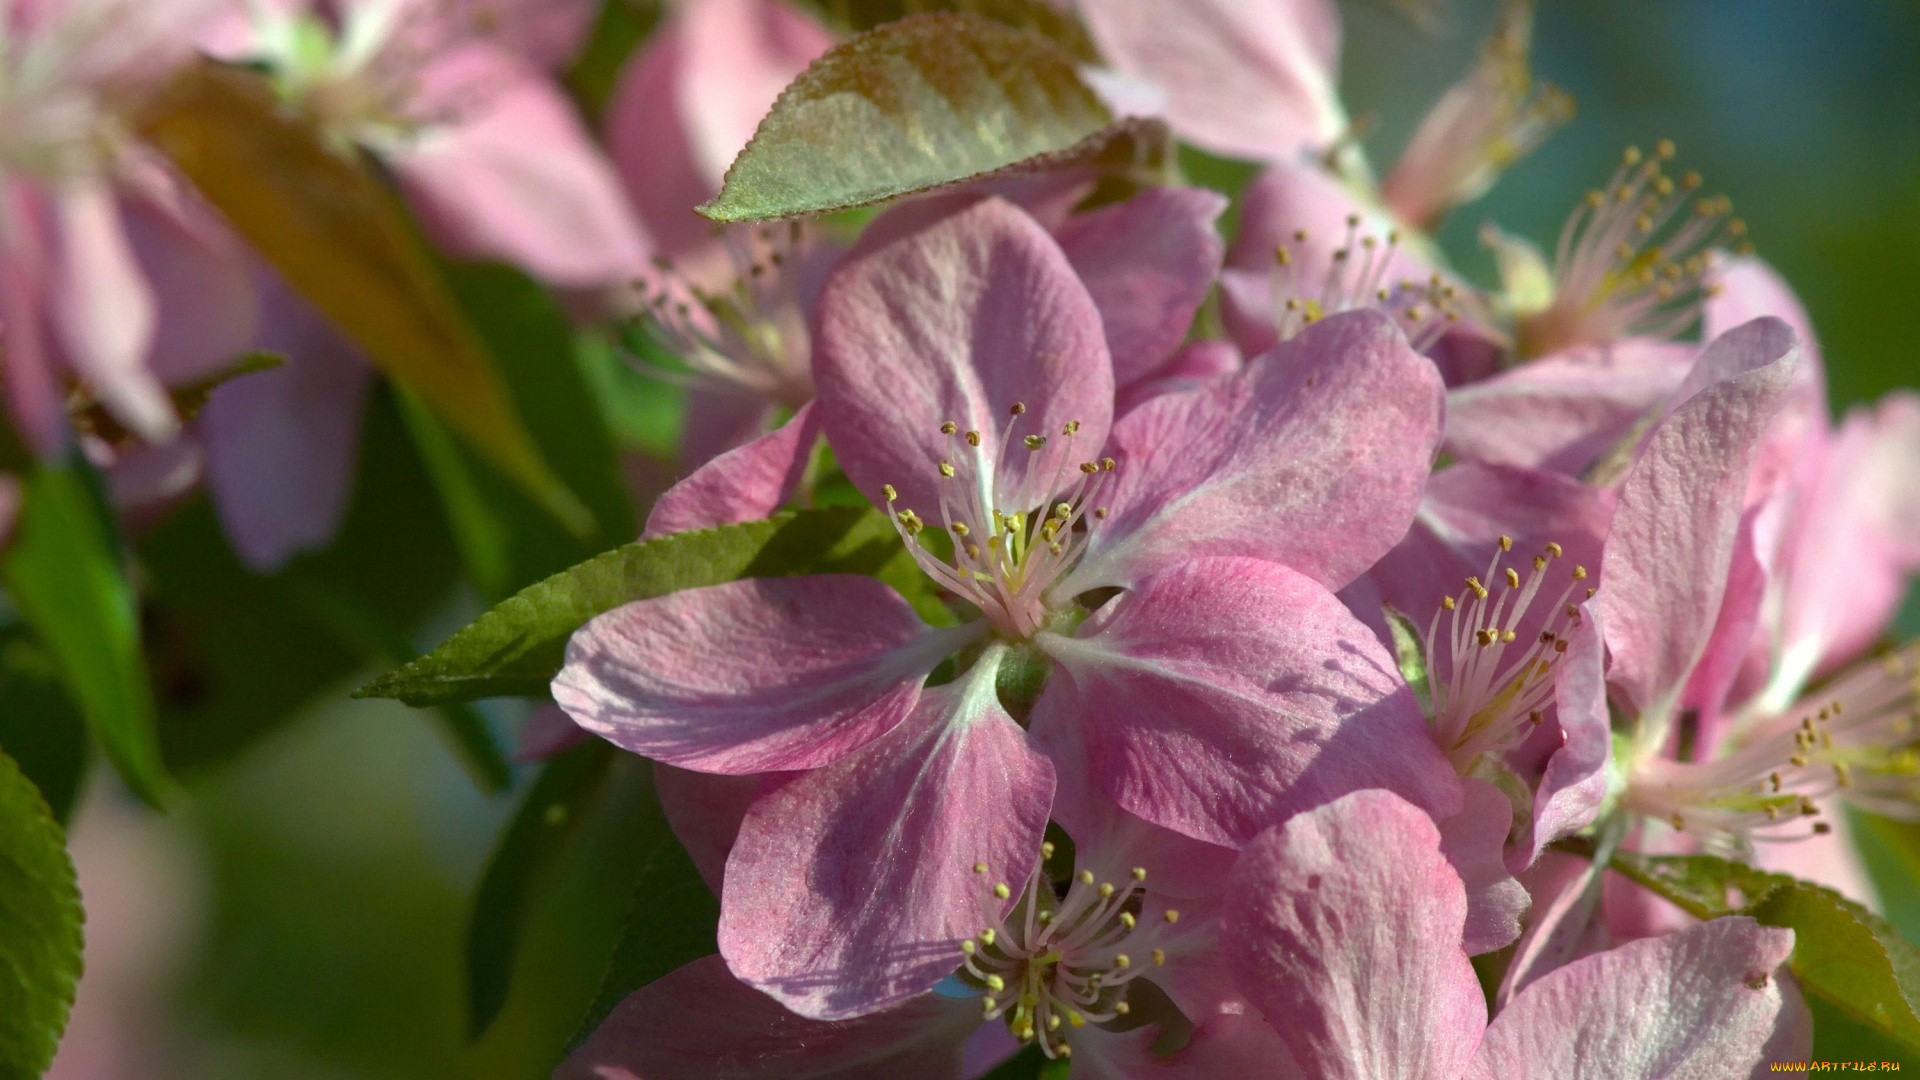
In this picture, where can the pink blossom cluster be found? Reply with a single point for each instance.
(1286, 599)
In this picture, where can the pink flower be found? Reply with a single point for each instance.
(450, 94)
(95, 231)
(1343, 927)
(963, 375)
(1098, 966)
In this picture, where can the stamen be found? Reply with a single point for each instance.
(752, 333)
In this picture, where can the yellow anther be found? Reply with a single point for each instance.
(987, 1005)
(979, 868)
(1664, 149)
(889, 492)
(960, 528)
(986, 936)
(1797, 760)
(1775, 779)
(1631, 157)
(1579, 573)
(1513, 578)
(1122, 961)
(1106, 889)
(1046, 849)
(1446, 603)
(1100, 513)
(1000, 890)
(996, 984)
(1506, 543)
(1076, 1019)
(1483, 636)
(973, 438)
(1539, 562)
(968, 947)
(1120, 1008)
(1127, 920)
(1053, 1022)
(1086, 877)
(1159, 957)
(1089, 468)
(1017, 408)
(1841, 774)
(949, 428)
(1062, 511)
(1679, 823)
(1281, 256)
(1171, 916)
(946, 469)
(1107, 464)
(1072, 428)
(1821, 828)
(1139, 873)
(1064, 1051)
(1507, 636)
(1035, 442)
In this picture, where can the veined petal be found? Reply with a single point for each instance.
(1224, 694)
(960, 321)
(701, 1023)
(202, 278)
(1343, 926)
(1667, 556)
(1710, 1000)
(753, 676)
(1574, 783)
(744, 484)
(1472, 840)
(1314, 456)
(558, 213)
(1249, 80)
(1563, 412)
(705, 811)
(1148, 263)
(851, 888)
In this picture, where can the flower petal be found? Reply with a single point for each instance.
(705, 811)
(282, 444)
(744, 484)
(1574, 783)
(701, 1023)
(1343, 926)
(1563, 412)
(1227, 693)
(1314, 456)
(1148, 263)
(1472, 840)
(102, 310)
(1673, 535)
(559, 214)
(1711, 1000)
(755, 675)
(958, 321)
(1246, 79)
(203, 283)
(851, 888)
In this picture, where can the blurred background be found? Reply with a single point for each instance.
(300, 913)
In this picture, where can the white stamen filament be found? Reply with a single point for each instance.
(1489, 700)
(1423, 309)
(751, 335)
(1057, 964)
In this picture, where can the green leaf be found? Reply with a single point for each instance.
(63, 572)
(1842, 953)
(674, 922)
(517, 648)
(1041, 18)
(40, 935)
(40, 726)
(916, 104)
(339, 236)
(529, 849)
(1411, 652)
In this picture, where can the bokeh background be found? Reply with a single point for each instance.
(300, 912)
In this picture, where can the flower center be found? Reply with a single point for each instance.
(751, 334)
(1061, 961)
(1625, 264)
(1496, 687)
(1355, 278)
(1003, 561)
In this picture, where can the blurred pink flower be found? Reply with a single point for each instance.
(960, 363)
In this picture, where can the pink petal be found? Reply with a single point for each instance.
(1747, 289)
(1472, 840)
(755, 675)
(959, 321)
(1711, 1000)
(282, 444)
(700, 1023)
(1313, 456)
(559, 214)
(1286, 200)
(102, 310)
(1732, 638)
(1245, 79)
(36, 401)
(1195, 363)
(1856, 537)
(1148, 263)
(851, 888)
(1563, 412)
(1673, 535)
(1831, 859)
(1574, 783)
(718, 420)
(1226, 693)
(705, 811)
(1343, 926)
(688, 102)
(201, 274)
(744, 484)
